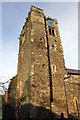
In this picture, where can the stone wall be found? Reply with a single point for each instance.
(41, 88)
(37, 80)
(72, 92)
(12, 93)
(33, 75)
(58, 72)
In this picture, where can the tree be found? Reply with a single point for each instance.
(4, 86)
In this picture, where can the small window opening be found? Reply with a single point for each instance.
(54, 68)
(51, 31)
(53, 47)
(43, 65)
(41, 39)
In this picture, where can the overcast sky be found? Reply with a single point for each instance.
(13, 18)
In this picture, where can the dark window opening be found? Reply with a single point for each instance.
(51, 31)
(40, 42)
(43, 65)
(53, 46)
(41, 39)
(53, 68)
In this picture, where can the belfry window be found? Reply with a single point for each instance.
(51, 25)
(51, 31)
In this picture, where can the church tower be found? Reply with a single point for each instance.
(41, 67)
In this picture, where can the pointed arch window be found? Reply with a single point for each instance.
(76, 107)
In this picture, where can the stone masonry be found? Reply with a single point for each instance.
(45, 88)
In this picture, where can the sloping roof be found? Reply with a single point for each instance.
(73, 71)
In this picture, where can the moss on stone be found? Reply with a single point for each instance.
(12, 89)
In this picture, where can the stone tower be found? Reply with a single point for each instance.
(41, 67)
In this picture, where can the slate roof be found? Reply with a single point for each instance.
(73, 71)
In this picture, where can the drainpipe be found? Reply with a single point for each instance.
(49, 67)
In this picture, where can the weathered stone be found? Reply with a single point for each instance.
(41, 70)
